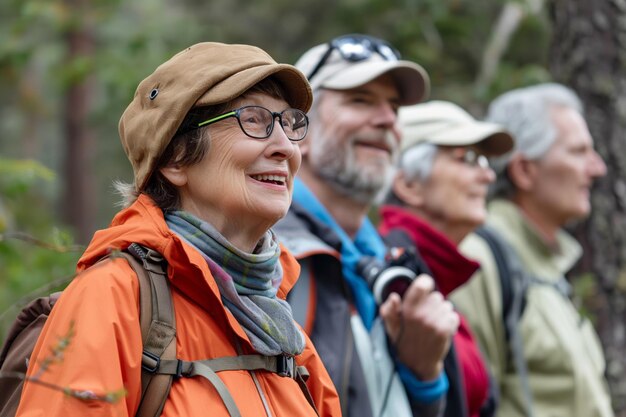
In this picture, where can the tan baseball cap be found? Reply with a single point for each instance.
(204, 74)
(444, 123)
(338, 73)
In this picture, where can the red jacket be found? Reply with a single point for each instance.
(450, 270)
(104, 354)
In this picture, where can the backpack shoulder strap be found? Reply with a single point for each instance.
(158, 326)
(158, 330)
(283, 365)
(514, 282)
(301, 298)
(502, 257)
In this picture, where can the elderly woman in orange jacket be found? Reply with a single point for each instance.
(212, 136)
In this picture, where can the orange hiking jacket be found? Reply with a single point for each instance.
(101, 306)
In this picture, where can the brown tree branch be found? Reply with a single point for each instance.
(25, 237)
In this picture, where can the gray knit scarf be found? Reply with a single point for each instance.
(248, 283)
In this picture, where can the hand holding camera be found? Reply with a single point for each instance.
(384, 279)
(420, 325)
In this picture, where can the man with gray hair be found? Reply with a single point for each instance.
(546, 356)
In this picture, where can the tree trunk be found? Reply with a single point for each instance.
(79, 203)
(588, 54)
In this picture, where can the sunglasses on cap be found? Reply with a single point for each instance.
(355, 48)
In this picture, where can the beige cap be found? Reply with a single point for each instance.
(444, 123)
(340, 74)
(204, 74)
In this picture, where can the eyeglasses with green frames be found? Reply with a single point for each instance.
(258, 122)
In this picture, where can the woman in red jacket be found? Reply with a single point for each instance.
(437, 198)
(212, 136)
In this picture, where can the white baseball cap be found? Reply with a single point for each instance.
(350, 61)
(446, 124)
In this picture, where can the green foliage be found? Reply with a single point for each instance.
(16, 176)
(530, 44)
(130, 39)
(586, 293)
(36, 257)
(517, 76)
(447, 37)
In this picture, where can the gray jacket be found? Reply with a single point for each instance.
(321, 301)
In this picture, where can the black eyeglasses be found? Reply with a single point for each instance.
(258, 122)
(356, 48)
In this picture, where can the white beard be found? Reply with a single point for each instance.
(363, 183)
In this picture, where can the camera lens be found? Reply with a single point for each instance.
(369, 268)
(384, 280)
(394, 279)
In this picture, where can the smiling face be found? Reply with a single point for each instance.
(452, 198)
(456, 191)
(242, 186)
(354, 139)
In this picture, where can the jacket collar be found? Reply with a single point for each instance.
(143, 223)
(507, 218)
(449, 267)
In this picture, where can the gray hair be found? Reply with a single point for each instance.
(416, 164)
(526, 114)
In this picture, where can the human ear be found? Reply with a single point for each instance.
(175, 174)
(411, 192)
(522, 172)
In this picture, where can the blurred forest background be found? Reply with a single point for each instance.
(68, 68)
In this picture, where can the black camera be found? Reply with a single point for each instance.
(394, 275)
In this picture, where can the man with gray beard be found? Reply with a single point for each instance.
(385, 356)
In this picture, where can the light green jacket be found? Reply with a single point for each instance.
(562, 351)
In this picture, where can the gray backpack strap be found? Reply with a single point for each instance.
(561, 285)
(516, 342)
(158, 326)
(299, 296)
(514, 283)
(158, 329)
(282, 365)
(301, 376)
(198, 368)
